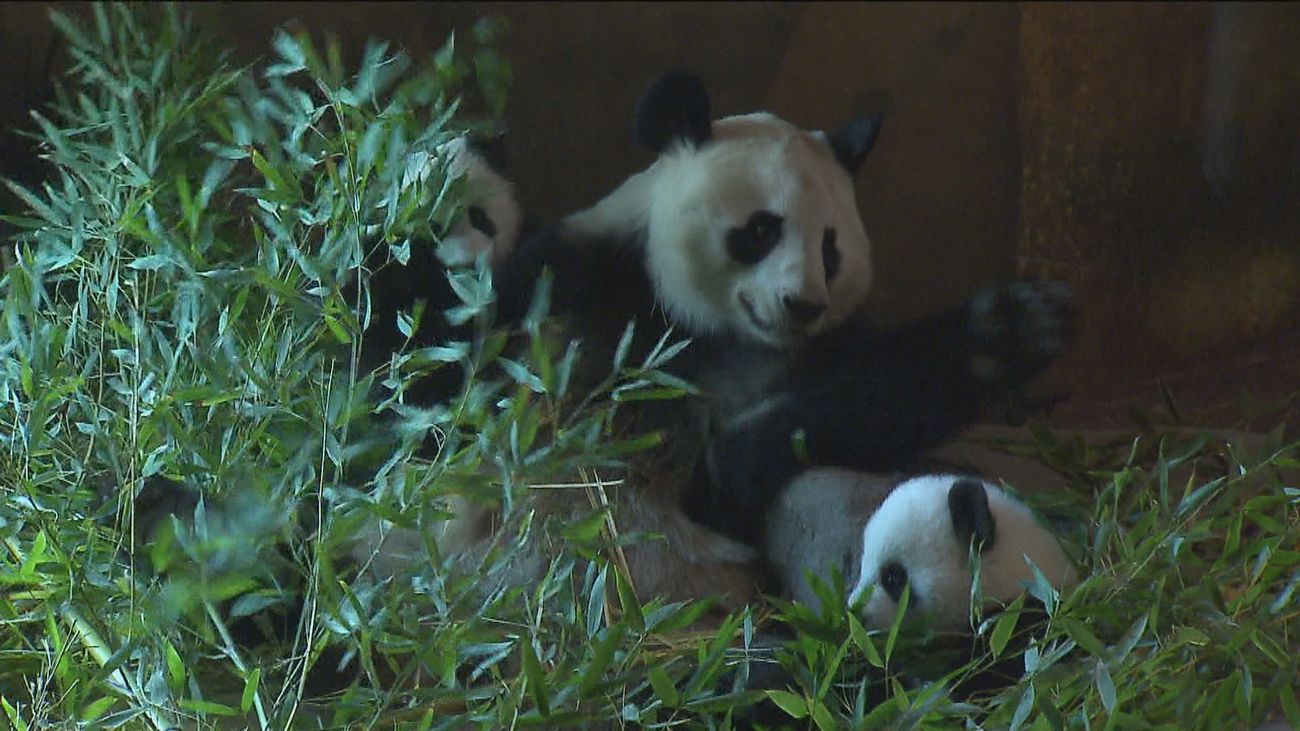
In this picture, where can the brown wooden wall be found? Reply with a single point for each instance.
(1148, 153)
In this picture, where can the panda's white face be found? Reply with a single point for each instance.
(755, 233)
(491, 219)
(911, 539)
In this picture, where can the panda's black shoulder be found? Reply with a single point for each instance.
(588, 273)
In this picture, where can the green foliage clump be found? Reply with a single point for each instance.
(176, 309)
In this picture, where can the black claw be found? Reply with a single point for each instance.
(1020, 328)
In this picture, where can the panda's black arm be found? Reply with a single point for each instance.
(586, 274)
(877, 401)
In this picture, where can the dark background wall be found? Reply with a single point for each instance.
(1147, 153)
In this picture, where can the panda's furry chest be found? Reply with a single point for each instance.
(732, 378)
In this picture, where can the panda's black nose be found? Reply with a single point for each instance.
(802, 310)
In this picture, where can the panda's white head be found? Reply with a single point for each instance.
(491, 219)
(750, 224)
(921, 535)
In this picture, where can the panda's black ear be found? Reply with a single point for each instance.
(968, 505)
(493, 146)
(853, 142)
(674, 107)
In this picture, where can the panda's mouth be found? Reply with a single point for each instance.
(752, 313)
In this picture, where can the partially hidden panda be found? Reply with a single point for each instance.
(493, 219)
(884, 533)
(744, 235)
(488, 226)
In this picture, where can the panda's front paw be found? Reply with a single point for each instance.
(1018, 329)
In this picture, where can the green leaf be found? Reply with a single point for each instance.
(860, 638)
(337, 330)
(1005, 626)
(900, 613)
(624, 345)
(286, 184)
(35, 556)
(204, 708)
(628, 602)
(1129, 640)
(596, 601)
(522, 375)
(822, 716)
(1084, 636)
(648, 394)
(794, 705)
(663, 686)
(25, 377)
(602, 654)
(96, 708)
(1024, 708)
(1105, 686)
(675, 618)
(36, 204)
(175, 668)
(1287, 699)
(250, 689)
(17, 721)
(1191, 636)
(536, 679)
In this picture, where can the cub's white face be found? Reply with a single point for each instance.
(755, 233)
(910, 540)
(491, 220)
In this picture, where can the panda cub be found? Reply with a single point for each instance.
(884, 534)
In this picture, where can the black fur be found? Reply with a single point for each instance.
(393, 288)
(854, 141)
(876, 401)
(968, 505)
(674, 107)
(587, 276)
(493, 148)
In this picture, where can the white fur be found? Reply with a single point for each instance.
(689, 199)
(488, 189)
(913, 527)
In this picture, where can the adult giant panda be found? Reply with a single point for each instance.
(745, 235)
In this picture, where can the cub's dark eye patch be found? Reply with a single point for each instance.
(893, 577)
(478, 218)
(830, 254)
(748, 244)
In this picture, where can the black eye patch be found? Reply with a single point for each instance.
(830, 254)
(893, 577)
(750, 243)
(478, 218)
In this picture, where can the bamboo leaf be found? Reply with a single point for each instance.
(794, 705)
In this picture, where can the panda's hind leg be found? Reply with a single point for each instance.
(682, 560)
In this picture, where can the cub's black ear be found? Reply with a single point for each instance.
(853, 142)
(674, 107)
(493, 147)
(968, 505)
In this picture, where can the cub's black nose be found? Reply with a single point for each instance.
(802, 310)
